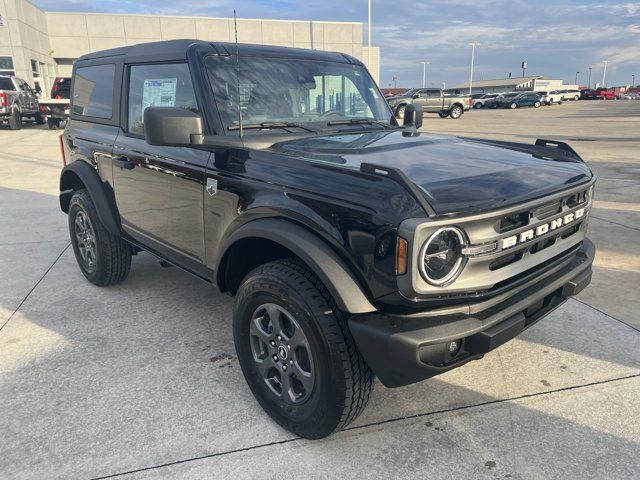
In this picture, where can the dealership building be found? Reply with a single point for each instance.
(38, 46)
(512, 84)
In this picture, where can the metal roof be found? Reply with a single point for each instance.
(500, 82)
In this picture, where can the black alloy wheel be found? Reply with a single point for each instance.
(281, 353)
(85, 241)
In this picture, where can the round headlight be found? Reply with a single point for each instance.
(441, 256)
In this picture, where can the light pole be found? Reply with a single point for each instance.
(589, 78)
(604, 73)
(395, 82)
(424, 74)
(576, 82)
(369, 39)
(473, 54)
(633, 81)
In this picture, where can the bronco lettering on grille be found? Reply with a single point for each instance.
(542, 229)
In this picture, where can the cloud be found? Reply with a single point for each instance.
(556, 38)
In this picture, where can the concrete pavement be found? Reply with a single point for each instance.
(140, 380)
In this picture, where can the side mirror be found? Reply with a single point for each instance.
(172, 126)
(413, 116)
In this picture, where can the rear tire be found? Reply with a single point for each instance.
(103, 258)
(536, 105)
(15, 120)
(278, 304)
(513, 106)
(455, 112)
(443, 114)
(477, 106)
(38, 118)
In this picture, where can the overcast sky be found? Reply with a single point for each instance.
(556, 38)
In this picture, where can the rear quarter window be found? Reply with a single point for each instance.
(93, 91)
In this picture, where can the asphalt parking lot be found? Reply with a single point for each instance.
(140, 380)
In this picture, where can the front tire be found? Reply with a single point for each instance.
(103, 258)
(296, 351)
(513, 106)
(400, 111)
(537, 105)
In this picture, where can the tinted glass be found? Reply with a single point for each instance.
(166, 85)
(6, 84)
(300, 91)
(93, 91)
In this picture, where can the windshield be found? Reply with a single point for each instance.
(310, 93)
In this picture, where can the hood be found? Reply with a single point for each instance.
(455, 174)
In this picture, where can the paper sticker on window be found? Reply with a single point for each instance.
(159, 92)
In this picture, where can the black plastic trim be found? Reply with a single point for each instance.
(91, 180)
(320, 258)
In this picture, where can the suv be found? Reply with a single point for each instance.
(481, 101)
(527, 99)
(356, 247)
(17, 102)
(432, 100)
(549, 98)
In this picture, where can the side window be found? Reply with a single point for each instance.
(167, 85)
(433, 93)
(93, 91)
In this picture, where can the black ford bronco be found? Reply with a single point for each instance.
(355, 246)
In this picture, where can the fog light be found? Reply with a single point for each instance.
(454, 347)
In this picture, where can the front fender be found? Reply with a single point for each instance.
(319, 257)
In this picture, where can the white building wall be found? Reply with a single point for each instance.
(56, 39)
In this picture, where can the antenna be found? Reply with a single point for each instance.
(235, 26)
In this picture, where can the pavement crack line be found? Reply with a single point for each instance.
(616, 223)
(606, 314)
(34, 287)
(373, 424)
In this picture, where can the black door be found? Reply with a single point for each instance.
(159, 190)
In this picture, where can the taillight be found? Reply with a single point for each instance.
(471, 101)
(61, 142)
(3, 99)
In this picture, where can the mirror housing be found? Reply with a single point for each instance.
(413, 116)
(172, 126)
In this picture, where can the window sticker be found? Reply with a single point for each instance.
(159, 92)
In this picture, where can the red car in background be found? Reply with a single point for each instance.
(606, 94)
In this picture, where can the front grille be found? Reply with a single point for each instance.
(523, 239)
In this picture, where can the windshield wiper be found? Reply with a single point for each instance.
(360, 121)
(267, 125)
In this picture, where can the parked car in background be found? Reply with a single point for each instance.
(549, 98)
(17, 102)
(528, 99)
(571, 94)
(605, 94)
(589, 94)
(432, 100)
(493, 102)
(481, 101)
(56, 110)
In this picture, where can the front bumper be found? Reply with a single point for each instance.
(404, 349)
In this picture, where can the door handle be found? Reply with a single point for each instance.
(124, 163)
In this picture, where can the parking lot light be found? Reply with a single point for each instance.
(473, 53)
(604, 73)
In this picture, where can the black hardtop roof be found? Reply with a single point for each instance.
(177, 50)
